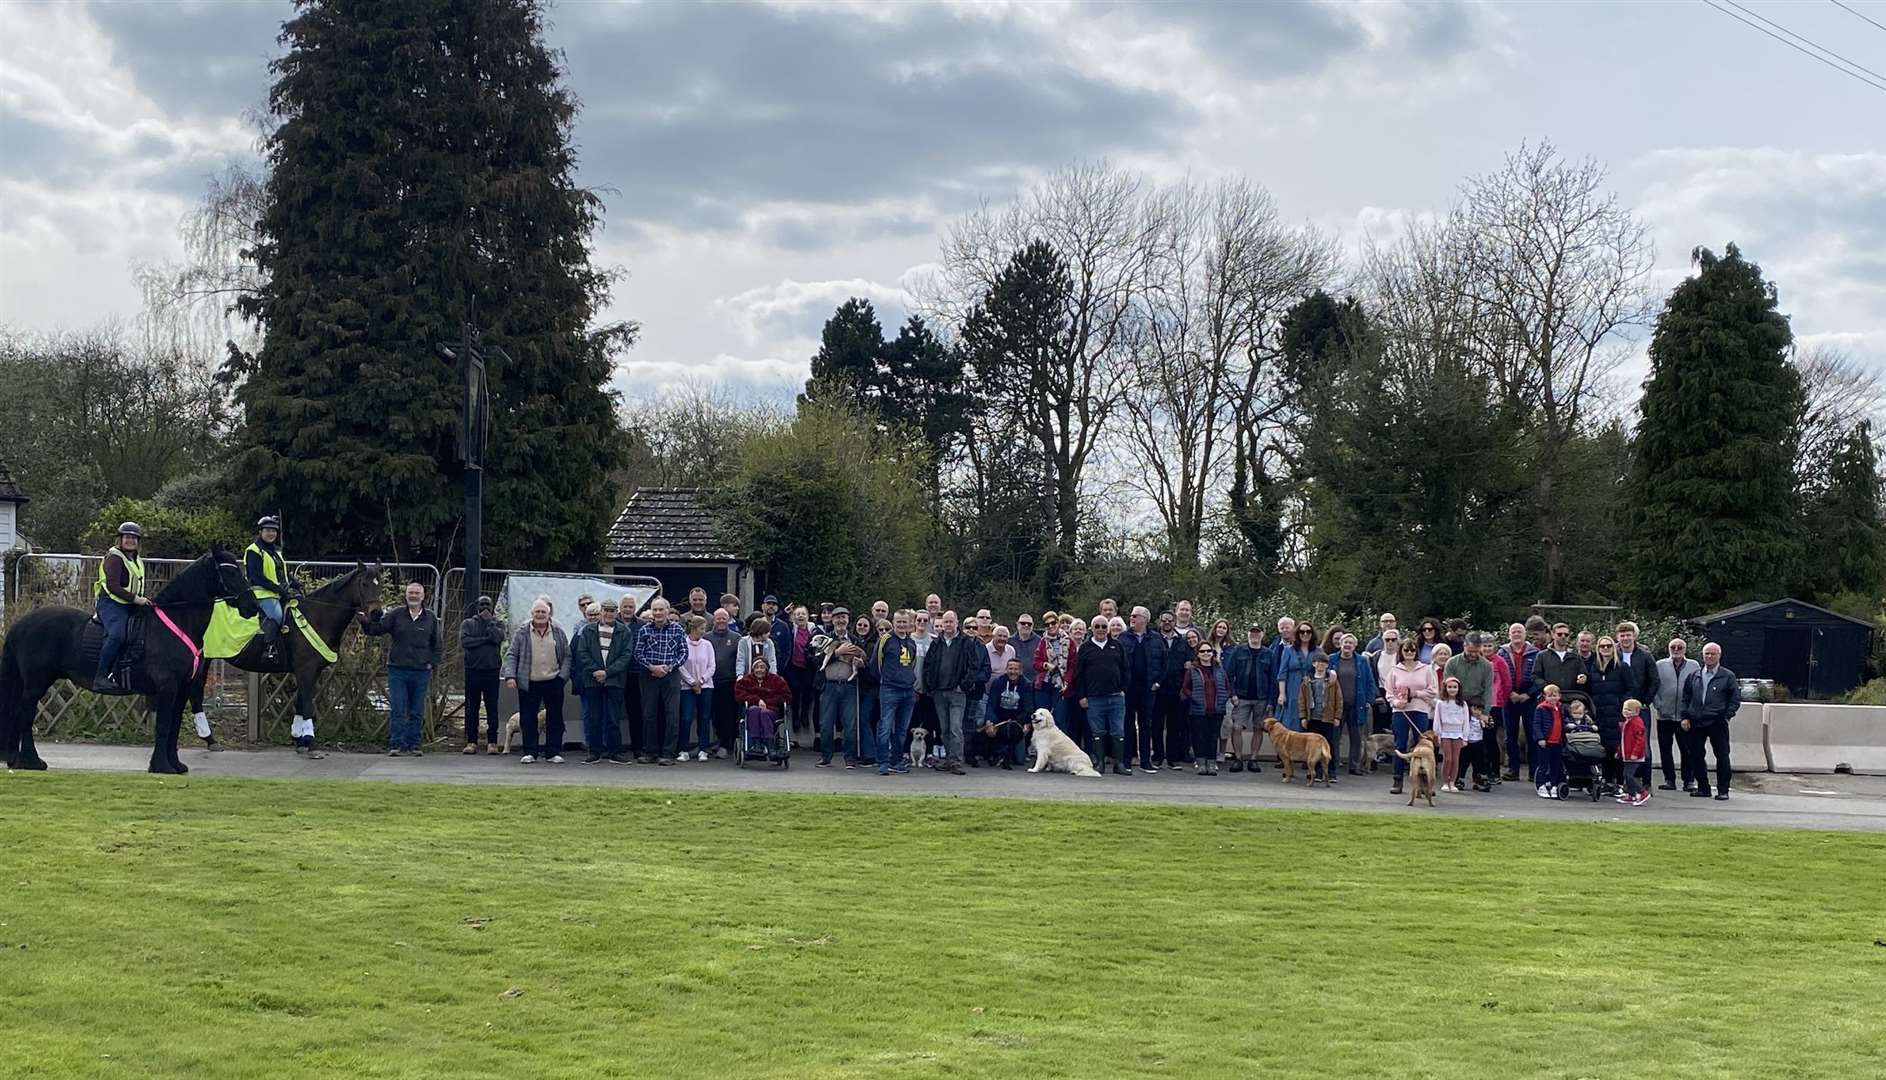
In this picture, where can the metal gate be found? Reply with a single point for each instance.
(448, 684)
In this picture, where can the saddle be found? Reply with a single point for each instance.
(130, 670)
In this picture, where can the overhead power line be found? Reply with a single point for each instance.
(1856, 14)
(1838, 63)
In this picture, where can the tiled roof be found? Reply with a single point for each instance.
(667, 523)
(9, 490)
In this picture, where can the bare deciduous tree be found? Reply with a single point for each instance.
(1065, 388)
(1840, 392)
(1221, 273)
(1549, 270)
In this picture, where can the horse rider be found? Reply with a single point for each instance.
(120, 588)
(268, 578)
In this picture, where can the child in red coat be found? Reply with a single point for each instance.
(1634, 746)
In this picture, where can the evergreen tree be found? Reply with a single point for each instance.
(1712, 478)
(1411, 467)
(421, 176)
(1021, 350)
(1844, 535)
(845, 369)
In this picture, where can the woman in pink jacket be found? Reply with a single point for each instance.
(1412, 689)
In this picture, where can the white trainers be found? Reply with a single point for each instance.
(527, 759)
(1545, 792)
(555, 759)
(701, 756)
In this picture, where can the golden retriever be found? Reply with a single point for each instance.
(1420, 759)
(1299, 746)
(1054, 751)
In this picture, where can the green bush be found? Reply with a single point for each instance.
(1870, 693)
(169, 533)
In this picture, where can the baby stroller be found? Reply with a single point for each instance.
(764, 736)
(1584, 762)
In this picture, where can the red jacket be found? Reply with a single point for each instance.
(772, 694)
(1636, 738)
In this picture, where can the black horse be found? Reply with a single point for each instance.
(330, 610)
(48, 644)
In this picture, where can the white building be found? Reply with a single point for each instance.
(10, 501)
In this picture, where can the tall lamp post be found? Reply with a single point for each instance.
(473, 437)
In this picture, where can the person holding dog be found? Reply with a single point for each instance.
(1005, 723)
(1411, 692)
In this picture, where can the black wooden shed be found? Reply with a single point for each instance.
(1810, 650)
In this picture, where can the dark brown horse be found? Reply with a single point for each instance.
(49, 644)
(329, 610)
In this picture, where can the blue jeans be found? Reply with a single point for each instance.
(406, 695)
(838, 712)
(952, 719)
(1106, 718)
(1550, 770)
(602, 720)
(271, 608)
(115, 617)
(895, 704)
(697, 718)
(865, 744)
(1408, 728)
(1513, 727)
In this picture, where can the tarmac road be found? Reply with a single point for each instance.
(1770, 800)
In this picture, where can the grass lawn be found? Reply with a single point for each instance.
(232, 928)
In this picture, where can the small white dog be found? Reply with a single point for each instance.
(1054, 751)
(919, 741)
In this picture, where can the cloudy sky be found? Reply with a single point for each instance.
(765, 162)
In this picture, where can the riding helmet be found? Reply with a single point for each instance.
(269, 522)
(131, 528)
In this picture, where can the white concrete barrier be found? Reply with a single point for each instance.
(1825, 738)
(1748, 739)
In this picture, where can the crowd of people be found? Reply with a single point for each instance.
(1138, 692)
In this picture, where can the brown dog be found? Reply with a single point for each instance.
(1420, 759)
(1374, 746)
(1299, 746)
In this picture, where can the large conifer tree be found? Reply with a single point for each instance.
(1711, 489)
(422, 175)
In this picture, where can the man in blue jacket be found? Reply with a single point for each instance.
(1710, 698)
(1146, 662)
(894, 661)
(1252, 674)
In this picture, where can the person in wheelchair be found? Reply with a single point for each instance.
(268, 577)
(119, 591)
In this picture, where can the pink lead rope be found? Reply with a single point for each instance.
(196, 651)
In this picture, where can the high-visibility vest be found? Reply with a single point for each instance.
(274, 568)
(134, 574)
